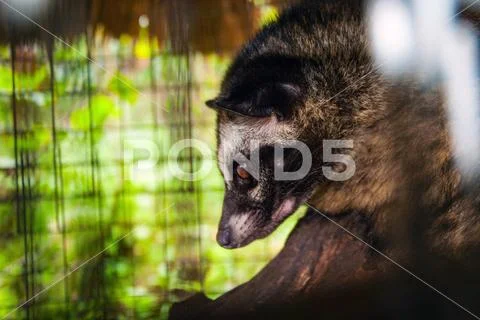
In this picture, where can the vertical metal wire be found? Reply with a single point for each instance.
(21, 229)
(156, 139)
(28, 201)
(96, 187)
(58, 177)
(160, 189)
(27, 269)
(128, 219)
(195, 186)
(64, 234)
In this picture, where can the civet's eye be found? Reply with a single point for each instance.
(242, 173)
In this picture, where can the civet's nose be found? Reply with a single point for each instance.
(224, 238)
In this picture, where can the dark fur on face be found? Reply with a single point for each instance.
(310, 77)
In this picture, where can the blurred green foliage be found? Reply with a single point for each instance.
(75, 225)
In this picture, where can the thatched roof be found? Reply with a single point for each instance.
(200, 25)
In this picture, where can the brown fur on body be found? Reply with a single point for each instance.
(407, 157)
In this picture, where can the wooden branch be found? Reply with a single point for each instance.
(325, 273)
(318, 259)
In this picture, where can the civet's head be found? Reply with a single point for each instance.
(277, 91)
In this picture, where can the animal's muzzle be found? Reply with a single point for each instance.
(224, 238)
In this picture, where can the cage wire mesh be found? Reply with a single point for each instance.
(81, 237)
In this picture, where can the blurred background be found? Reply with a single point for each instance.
(79, 237)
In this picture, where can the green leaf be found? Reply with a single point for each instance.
(5, 79)
(102, 107)
(124, 88)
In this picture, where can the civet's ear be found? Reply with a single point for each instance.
(221, 104)
(273, 99)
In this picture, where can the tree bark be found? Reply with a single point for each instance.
(319, 260)
(325, 273)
